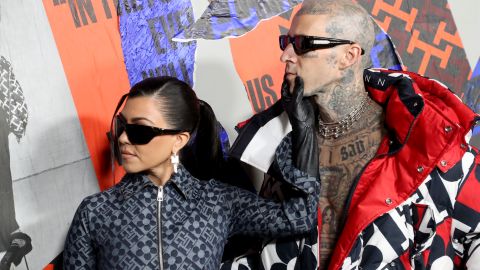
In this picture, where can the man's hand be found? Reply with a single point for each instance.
(301, 114)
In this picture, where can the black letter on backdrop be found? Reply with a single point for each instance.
(82, 6)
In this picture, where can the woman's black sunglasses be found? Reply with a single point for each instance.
(304, 44)
(139, 134)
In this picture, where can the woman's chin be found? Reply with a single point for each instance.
(129, 168)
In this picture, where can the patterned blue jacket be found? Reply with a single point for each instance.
(185, 223)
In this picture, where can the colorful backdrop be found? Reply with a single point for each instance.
(73, 59)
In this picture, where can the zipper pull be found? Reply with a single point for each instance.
(160, 194)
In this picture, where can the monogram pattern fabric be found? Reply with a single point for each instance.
(12, 101)
(120, 228)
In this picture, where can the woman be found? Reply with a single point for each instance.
(160, 216)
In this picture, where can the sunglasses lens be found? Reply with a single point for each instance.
(301, 45)
(138, 134)
(298, 43)
(283, 41)
(118, 126)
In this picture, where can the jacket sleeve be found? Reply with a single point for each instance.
(79, 252)
(251, 214)
(471, 241)
(473, 252)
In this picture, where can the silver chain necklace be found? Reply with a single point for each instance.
(337, 129)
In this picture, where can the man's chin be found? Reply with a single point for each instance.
(308, 92)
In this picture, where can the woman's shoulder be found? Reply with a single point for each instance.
(108, 196)
(92, 202)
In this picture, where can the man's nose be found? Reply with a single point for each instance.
(288, 55)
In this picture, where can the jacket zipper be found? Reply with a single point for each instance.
(160, 249)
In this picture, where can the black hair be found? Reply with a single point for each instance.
(182, 110)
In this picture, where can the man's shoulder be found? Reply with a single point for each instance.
(261, 134)
(261, 118)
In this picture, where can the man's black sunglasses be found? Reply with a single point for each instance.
(304, 44)
(139, 134)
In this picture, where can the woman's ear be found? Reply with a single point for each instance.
(181, 139)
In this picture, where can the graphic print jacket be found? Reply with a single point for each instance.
(416, 204)
(185, 223)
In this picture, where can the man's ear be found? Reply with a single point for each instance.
(352, 55)
(181, 139)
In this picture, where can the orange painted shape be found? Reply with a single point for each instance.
(385, 25)
(93, 62)
(256, 56)
(396, 11)
(444, 35)
(429, 50)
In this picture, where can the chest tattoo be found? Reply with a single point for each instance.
(341, 160)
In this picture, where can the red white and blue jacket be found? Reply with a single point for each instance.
(415, 205)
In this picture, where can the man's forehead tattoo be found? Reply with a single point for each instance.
(317, 10)
(317, 7)
(334, 29)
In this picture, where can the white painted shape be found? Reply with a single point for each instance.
(199, 7)
(216, 81)
(53, 135)
(466, 14)
(51, 166)
(45, 205)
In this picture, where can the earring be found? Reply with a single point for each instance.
(175, 160)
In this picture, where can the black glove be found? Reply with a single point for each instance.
(301, 114)
(20, 245)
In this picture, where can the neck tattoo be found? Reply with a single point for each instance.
(337, 129)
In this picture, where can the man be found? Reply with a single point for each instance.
(395, 167)
(13, 120)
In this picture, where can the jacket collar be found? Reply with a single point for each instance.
(182, 181)
(403, 95)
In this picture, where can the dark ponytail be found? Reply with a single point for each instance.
(203, 156)
(182, 110)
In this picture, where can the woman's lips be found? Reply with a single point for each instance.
(127, 154)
